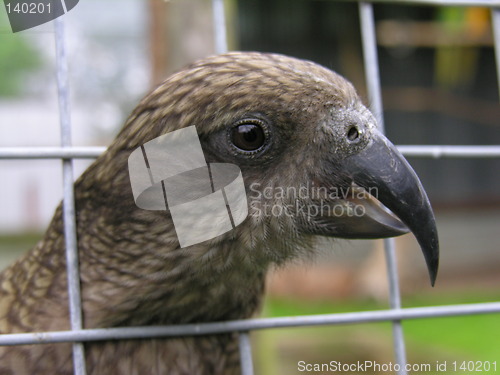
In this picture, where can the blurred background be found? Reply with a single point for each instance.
(439, 87)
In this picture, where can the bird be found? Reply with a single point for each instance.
(313, 164)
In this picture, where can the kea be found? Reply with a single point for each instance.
(291, 126)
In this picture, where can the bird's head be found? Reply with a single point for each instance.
(312, 159)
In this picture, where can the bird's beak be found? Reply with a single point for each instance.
(381, 170)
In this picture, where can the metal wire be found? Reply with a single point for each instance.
(396, 314)
(123, 333)
(437, 152)
(495, 22)
(245, 354)
(432, 151)
(461, 3)
(69, 219)
(219, 26)
(50, 152)
(374, 89)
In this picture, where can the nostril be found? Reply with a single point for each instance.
(353, 134)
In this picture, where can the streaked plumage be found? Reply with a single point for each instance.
(132, 269)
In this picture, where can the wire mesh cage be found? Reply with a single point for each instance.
(396, 314)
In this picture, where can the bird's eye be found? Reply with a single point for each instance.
(248, 135)
(353, 134)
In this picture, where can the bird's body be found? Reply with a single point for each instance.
(133, 271)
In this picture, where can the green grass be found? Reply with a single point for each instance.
(14, 246)
(464, 338)
(475, 337)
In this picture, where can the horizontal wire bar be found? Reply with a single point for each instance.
(122, 333)
(438, 151)
(465, 3)
(50, 152)
(434, 151)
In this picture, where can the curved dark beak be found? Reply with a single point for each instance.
(381, 170)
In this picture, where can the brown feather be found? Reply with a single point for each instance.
(132, 269)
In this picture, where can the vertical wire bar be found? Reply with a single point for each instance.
(395, 303)
(375, 97)
(495, 19)
(219, 18)
(372, 72)
(69, 219)
(245, 354)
